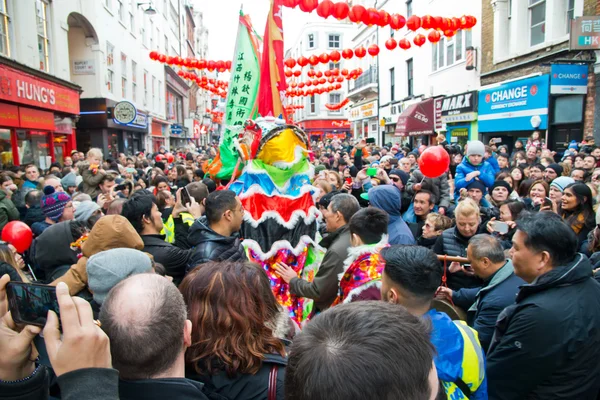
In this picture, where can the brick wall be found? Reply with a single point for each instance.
(590, 101)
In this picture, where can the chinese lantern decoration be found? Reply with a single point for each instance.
(344, 72)
(340, 10)
(455, 24)
(384, 18)
(311, 73)
(371, 17)
(319, 74)
(397, 21)
(308, 5)
(449, 33)
(434, 36)
(391, 44)
(302, 61)
(413, 23)
(373, 50)
(220, 65)
(426, 22)
(297, 73)
(290, 63)
(289, 73)
(436, 23)
(356, 13)
(327, 73)
(313, 60)
(335, 56)
(404, 44)
(202, 64)
(419, 40)
(360, 52)
(324, 58)
(446, 24)
(347, 54)
(153, 55)
(211, 65)
(325, 8)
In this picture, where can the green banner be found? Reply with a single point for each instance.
(241, 99)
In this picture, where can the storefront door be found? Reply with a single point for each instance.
(33, 148)
(561, 135)
(6, 155)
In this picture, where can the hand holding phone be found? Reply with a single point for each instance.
(500, 227)
(29, 303)
(371, 172)
(370, 140)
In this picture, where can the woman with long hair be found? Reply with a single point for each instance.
(12, 263)
(517, 176)
(519, 158)
(238, 330)
(182, 177)
(536, 195)
(576, 209)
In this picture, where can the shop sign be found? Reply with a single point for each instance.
(197, 129)
(585, 33)
(510, 106)
(63, 125)
(124, 113)
(84, 67)
(568, 79)
(140, 120)
(36, 119)
(9, 115)
(437, 110)
(459, 103)
(364, 111)
(176, 129)
(19, 87)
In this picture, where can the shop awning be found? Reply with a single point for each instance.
(416, 120)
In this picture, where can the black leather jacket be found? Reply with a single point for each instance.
(208, 245)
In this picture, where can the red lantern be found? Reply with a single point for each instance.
(313, 60)
(308, 5)
(211, 65)
(322, 81)
(449, 33)
(327, 73)
(290, 63)
(324, 58)
(18, 234)
(372, 17)
(331, 79)
(301, 85)
(311, 73)
(338, 86)
(455, 24)
(344, 72)
(335, 56)
(360, 52)
(325, 8)
(153, 55)
(297, 73)
(384, 18)
(291, 3)
(201, 64)
(446, 24)
(309, 83)
(340, 79)
(436, 23)
(169, 60)
(397, 21)
(419, 40)
(356, 13)
(341, 10)
(347, 54)
(373, 50)
(413, 23)
(220, 64)
(228, 65)
(319, 74)
(434, 36)
(404, 44)
(162, 58)
(391, 44)
(302, 61)
(434, 162)
(335, 72)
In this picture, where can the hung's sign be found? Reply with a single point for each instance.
(459, 108)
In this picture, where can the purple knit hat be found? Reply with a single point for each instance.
(53, 203)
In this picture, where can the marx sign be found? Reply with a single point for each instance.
(459, 108)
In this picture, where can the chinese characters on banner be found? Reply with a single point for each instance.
(585, 33)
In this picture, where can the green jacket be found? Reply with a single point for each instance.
(8, 211)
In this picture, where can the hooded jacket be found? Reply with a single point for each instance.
(387, 198)
(486, 174)
(547, 345)
(51, 251)
(439, 187)
(208, 245)
(34, 214)
(110, 232)
(8, 211)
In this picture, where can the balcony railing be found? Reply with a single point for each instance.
(368, 77)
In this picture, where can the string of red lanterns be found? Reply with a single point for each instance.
(338, 106)
(210, 65)
(214, 86)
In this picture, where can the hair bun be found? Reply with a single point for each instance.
(48, 190)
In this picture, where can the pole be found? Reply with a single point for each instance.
(382, 137)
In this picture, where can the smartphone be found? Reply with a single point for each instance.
(500, 227)
(185, 196)
(371, 171)
(130, 170)
(29, 303)
(547, 202)
(349, 181)
(370, 140)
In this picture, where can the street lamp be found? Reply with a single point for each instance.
(150, 10)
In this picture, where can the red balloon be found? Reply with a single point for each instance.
(434, 161)
(373, 50)
(391, 44)
(170, 158)
(160, 157)
(18, 234)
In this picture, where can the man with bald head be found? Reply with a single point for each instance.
(139, 316)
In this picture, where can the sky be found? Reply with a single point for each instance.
(221, 18)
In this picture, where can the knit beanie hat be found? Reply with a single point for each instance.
(107, 268)
(85, 210)
(401, 174)
(503, 184)
(53, 203)
(69, 180)
(475, 147)
(475, 184)
(319, 168)
(562, 182)
(557, 168)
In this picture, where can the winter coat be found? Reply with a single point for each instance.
(208, 245)
(8, 211)
(324, 288)
(494, 164)
(438, 186)
(90, 180)
(34, 214)
(161, 388)
(452, 243)
(174, 259)
(547, 345)
(51, 251)
(110, 232)
(486, 176)
(484, 304)
(387, 198)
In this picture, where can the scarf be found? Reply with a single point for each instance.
(577, 222)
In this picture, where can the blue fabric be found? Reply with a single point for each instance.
(410, 217)
(292, 188)
(494, 164)
(29, 184)
(465, 167)
(387, 198)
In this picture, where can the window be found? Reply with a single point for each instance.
(174, 22)
(392, 84)
(145, 87)
(110, 60)
(121, 8)
(392, 31)
(313, 105)
(123, 75)
(133, 80)
(333, 65)
(4, 35)
(468, 38)
(157, 40)
(153, 92)
(434, 57)
(458, 39)
(151, 35)
(108, 4)
(409, 11)
(43, 34)
(450, 51)
(334, 41)
(409, 76)
(311, 40)
(160, 93)
(441, 52)
(537, 21)
(509, 9)
(570, 13)
(335, 98)
(166, 45)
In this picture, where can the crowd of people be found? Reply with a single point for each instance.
(480, 283)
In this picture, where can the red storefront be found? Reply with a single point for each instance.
(37, 116)
(326, 128)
